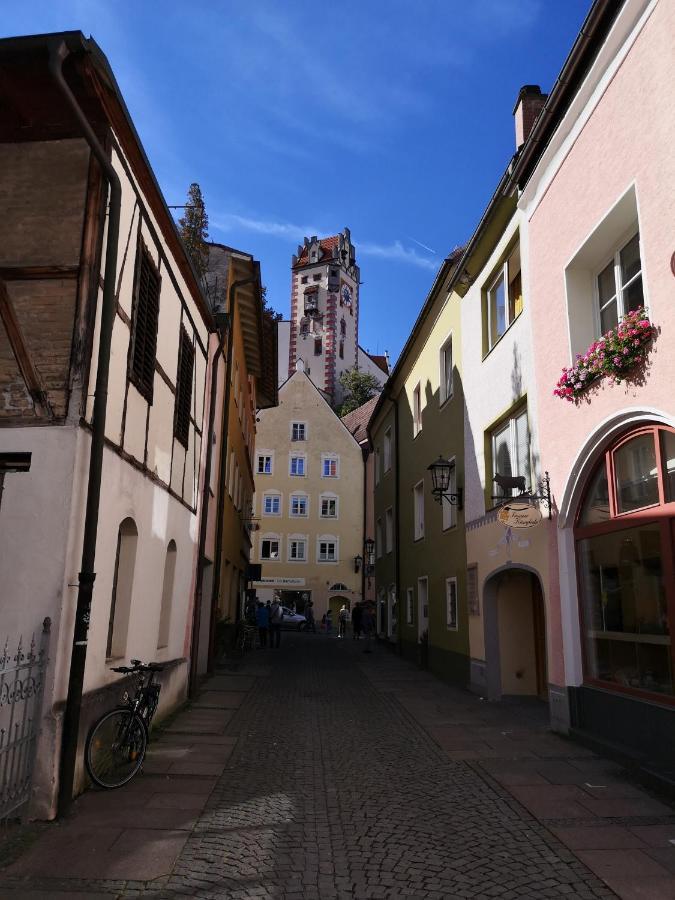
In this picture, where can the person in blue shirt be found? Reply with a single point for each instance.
(263, 622)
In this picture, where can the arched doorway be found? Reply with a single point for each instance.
(515, 634)
(335, 605)
(624, 536)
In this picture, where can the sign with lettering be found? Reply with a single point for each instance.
(519, 515)
(280, 582)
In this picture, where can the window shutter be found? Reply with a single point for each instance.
(186, 359)
(145, 327)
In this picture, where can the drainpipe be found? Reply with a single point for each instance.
(224, 447)
(204, 519)
(365, 453)
(71, 717)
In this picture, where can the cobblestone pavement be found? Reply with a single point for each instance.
(335, 790)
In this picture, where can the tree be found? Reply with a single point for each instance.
(194, 229)
(269, 310)
(359, 387)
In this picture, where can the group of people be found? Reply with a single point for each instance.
(363, 622)
(268, 618)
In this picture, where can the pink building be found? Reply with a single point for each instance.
(600, 209)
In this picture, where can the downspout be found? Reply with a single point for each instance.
(58, 52)
(365, 453)
(204, 519)
(217, 563)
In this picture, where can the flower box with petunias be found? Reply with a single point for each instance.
(612, 356)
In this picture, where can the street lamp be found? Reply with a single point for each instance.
(440, 482)
(370, 550)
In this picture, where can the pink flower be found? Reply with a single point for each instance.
(625, 351)
(644, 323)
(617, 360)
(636, 343)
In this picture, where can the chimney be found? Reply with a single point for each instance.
(528, 106)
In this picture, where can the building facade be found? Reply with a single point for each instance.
(308, 503)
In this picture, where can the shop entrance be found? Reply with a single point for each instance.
(515, 635)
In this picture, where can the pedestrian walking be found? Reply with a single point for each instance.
(276, 618)
(329, 622)
(343, 617)
(368, 623)
(263, 621)
(357, 618)
(310, 624)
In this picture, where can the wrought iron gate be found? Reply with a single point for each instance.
(22, 676)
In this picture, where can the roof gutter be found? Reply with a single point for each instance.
(58, 52)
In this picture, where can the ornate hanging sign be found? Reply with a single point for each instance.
(519, 515)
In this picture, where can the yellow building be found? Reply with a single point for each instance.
(308, 502)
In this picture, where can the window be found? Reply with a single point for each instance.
(144, 331)
(329, 507)
(446, 371)
(449, 510)
(451, 604)
(298, 505)
(377, 465)
(472, 595)
(417, 411)
(123, 583)
(230, 480)
(304, 327)
(511, 452)
(409, 603)
(269, 548)
(504, 297)
(264, 464)
(304, 279)
(317, 277)
(378, 538)
(318, 346)
(298, 431)
(619, 285)
(297, 549)
(343, 327)
(311, 302)
(341, 350)
(329, 466)
(167, 595)
(327, 550)
(418, 510)
(387, 450)
(297, 465)
(623, 538)
(389, 530)
(186, 359)
(272, 505)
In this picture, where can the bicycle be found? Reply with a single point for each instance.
(246, 637)
(117, 743)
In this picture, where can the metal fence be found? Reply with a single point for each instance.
(22, 677)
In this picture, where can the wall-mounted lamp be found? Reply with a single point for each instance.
(440, 482)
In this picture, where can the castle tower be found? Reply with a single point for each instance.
(324, 327)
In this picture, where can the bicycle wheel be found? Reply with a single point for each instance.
(115, 748)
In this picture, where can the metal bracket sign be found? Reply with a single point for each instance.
(519, 515)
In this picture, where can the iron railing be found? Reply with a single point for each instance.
(22, 678)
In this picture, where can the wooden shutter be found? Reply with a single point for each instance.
(186, 362)
(145, 326)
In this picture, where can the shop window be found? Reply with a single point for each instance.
(624, 535)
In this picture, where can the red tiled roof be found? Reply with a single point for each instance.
(357, 420)
(326, 245)
(380, 362)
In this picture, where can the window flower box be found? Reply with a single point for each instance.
(615, 355)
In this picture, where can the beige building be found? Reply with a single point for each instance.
(308, 504)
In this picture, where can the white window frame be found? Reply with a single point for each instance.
(449, 510)
(446, 391)
(303, 457)
(510, 423)
(379, 543)
(386, 451)
(327, 458)
(298, 496)
(409, 606)
(451, 596)
(418, 511)
(272, 495)
(615, 258)
(417, 409)
(298, 425)
(336, 500)
(271, 538)
(503, 275)
(296, 539)
(388, 530)
(328, 539)
(264, 454)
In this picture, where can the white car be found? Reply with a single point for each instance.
(293, 620)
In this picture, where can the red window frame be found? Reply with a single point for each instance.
(661, 514)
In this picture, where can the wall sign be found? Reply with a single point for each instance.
(519, 515)
(280, 582)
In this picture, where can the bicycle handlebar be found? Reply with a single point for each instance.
(138, 666)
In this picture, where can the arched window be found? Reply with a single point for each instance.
(123, 583)
(167, 595)
(625, 535)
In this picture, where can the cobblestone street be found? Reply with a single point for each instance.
(354, 775)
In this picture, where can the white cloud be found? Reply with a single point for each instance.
(230, 222)
(397, 252)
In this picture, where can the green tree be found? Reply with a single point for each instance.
(268, 309)
(194, 229)
(359, 387)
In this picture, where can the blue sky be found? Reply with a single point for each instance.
(297, 118)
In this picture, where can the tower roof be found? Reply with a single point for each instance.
(326, 246)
